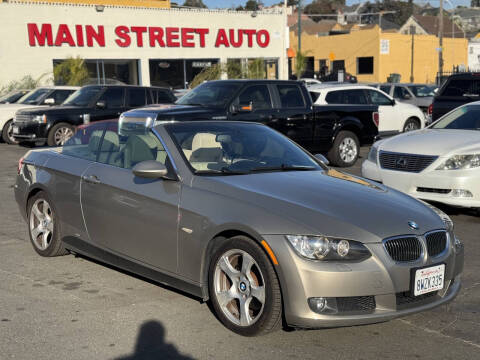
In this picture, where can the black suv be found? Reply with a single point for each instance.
(457, 90)
(56, 124)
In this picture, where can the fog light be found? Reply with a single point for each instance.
(461, 193)
(322, 305)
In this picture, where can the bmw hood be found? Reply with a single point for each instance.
(329, 203)
(436, 142)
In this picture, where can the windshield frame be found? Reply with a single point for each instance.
(85, 88)
(169, 130)
(223, 105)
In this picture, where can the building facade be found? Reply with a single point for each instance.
(136, 45)
(372, 55)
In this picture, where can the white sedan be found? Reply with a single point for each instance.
(439, 163)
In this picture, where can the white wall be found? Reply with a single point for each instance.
(18, 58)
(474, 55)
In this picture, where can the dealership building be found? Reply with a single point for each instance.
(145, 45)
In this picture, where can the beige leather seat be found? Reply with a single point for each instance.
(110, 149)
(206, 152)
(143, 147)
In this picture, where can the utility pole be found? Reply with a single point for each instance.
(440, 39)
(299, 11)
(412, 31)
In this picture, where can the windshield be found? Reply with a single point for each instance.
(464, 118)
(83, 97)
(214, 94)
(422, 90)
(228, 149)
(34, 97)
(11, 97)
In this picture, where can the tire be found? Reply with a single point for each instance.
(248, 287)
(59, 134)
(7, 133)
(43, 226)
(345, 149)
(411, 124)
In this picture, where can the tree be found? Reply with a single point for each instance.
(253, 5)
(71, 71)
(27, 82)
(323, 7)
(300, 64)
(195, 3)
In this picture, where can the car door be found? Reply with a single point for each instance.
(130, 216)
(254, 103)
(295, 117)
(388, 113)
(109, 105)
(402, 94)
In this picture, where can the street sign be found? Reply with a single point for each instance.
(331, 56)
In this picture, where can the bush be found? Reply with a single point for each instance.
(71, 71)
(25, 83)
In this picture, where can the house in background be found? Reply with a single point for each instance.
(429, 25)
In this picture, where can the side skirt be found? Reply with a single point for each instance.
(81, 247)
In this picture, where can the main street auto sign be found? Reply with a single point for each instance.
(140, 36)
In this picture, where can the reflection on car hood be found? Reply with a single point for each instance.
(169, 111)
(319, 203)
(433, 142)
(54, 109)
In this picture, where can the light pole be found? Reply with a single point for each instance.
(412, 32)
(299, 11)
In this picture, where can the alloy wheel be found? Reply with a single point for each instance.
(239, 287)
(348, 150)
(10, 133)
(41, 224)
(62, 135)
(411, 126)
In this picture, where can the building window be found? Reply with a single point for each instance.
(365, 65)
(178, 73)
(252, 68)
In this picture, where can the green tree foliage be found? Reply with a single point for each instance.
(252, 5)
(27, 82)
(300, 64)
(213, 72)
(323, 7)
(256, 69)
(71, 71)
(403, 10)
(195, 3)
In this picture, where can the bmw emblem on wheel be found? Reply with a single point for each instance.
(413, 225)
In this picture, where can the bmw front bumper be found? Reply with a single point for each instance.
(381, 286)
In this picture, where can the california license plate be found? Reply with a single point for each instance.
(429, 279)
(15, 129)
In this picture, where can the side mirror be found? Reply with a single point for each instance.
(101, 104)
(393, 102)
(242, 108)
(49, 101)
(150, 169)
(322, 158)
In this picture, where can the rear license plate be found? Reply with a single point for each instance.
(429, 279)
(15, 129)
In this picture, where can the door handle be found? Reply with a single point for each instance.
(92, 179)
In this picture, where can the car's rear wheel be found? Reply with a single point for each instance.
(244, 288)
(411, 124)
(43, 226)
(7, 133)
(345, 149)
(59, 134)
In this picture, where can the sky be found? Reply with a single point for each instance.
(234, 3)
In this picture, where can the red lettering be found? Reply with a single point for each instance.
(139, 30)
(250, 34)
(98, 36)
(266, 38)
(79, 32)
(232, 38)
(36, 36)
(172, 37)
(222, 39)
(64, 36)
(124, 39)
(156, 35)
(187, 37)
(202, 33)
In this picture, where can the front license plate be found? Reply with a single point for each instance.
(429, 279)
(15, 129)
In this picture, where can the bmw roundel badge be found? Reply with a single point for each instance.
(413, 225)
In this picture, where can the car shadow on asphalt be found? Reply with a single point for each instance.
(151, 345)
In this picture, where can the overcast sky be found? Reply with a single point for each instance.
(230, 3)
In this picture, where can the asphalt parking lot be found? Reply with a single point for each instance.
(73, 308)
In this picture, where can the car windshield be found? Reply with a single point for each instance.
(422, 90)
(11, 97)
(463, 118)
(33, 97)
(240, 148)
(83, 97)
(214, 94)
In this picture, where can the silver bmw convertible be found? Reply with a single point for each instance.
(238, 215)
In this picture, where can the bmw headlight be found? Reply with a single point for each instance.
(327, 248)
(458, 162)
(41, 119)
(372, 155)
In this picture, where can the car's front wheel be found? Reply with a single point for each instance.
(7, 133)
(345, 149)
(43, 226)
(244, 288)
(59, 134)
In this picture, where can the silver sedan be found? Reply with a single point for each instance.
(239, 215)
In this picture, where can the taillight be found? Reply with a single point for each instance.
(430, 110)
(20, 164)
(376, 118)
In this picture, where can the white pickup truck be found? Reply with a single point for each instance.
(42, 96)
(394, 116)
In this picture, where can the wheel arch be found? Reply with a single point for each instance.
(32, 191)
(413, 117)
(349, 124)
